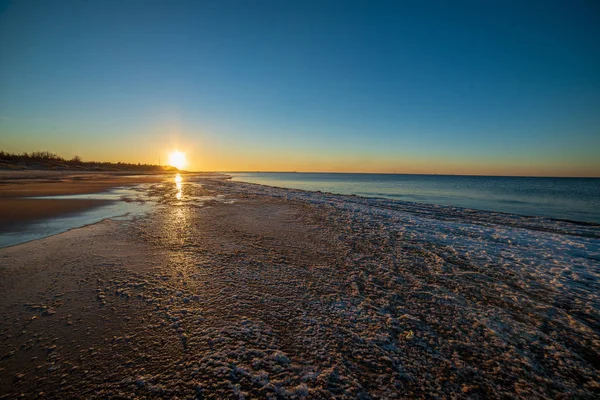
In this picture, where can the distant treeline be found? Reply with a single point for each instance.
(47, 160)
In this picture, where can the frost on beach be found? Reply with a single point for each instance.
(234, 290)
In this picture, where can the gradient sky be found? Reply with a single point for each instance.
(466, 87)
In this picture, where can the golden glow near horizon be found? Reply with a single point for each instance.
(177, 159)
(214, 156)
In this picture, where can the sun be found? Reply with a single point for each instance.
(177, 159)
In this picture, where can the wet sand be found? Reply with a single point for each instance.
(18, 212)
(17, 209)
(262, 294)
(50, 183)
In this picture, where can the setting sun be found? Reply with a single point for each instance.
(177, 159)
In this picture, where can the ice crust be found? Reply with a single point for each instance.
(541, 251)
(237, 290)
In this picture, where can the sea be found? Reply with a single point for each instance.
(573, 199)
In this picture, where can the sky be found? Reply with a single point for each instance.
(446, 87)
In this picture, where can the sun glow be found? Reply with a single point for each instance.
(177, 159)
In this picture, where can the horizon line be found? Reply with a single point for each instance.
(402, 173)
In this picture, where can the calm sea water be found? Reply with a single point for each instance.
(575, 199)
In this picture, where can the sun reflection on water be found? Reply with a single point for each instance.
(178, 185)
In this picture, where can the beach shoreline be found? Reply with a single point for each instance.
(236, 289)
(34, 196)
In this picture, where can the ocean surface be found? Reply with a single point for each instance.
(576, 199)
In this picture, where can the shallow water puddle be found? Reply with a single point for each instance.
(122, 203)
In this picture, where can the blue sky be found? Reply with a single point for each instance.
(494, 87)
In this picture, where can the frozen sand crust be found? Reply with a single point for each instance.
(272, 296)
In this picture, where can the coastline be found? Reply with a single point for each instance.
(572, 199)
(35, 196)
(246, 289)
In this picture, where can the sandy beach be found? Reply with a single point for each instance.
(17, 188)
(27, 197)
(233, 290)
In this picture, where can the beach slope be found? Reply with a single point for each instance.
(231, 290)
